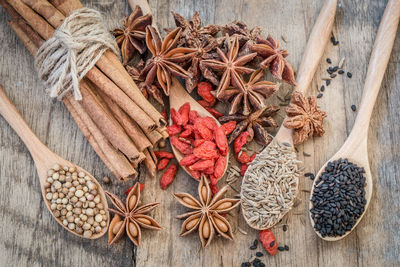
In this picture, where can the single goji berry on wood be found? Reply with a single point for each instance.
(240, 141)
(243, 157)
(181, 146)
(193, 115)
(221, 141)
(188, 160)
(206, 104)
(243, 169)
(141, 187)
(174, 129)
(204, 90)
(168, 176)
(204, 132)
(207, 150)
(184, 113)
(228, 127)
(175, 117)
(220, 167)
(201, 165)
(164, 154)
(268, 241)
(162, 164)
(195, 174)
(198, 142)
(214, 112)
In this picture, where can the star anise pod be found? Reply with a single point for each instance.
(304, 117)
(251, 95)
(274, 59)
(130, 37)
(134, 217)
(231, 66)
(207, 213)
(193, 32)
(253, 123)
(166, 58)
(244, 34)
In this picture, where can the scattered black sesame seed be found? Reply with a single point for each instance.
(261, 264)
(353, 107)
(335, 43)
(322, 88)
(349, 75)
(272, 244)
(310, 175)
(319, 95)
(252, 247)
(328, 82)
(259, 254)
(306, 154)
(286, 247)
(341, 72)
(281, 248)
(284, 227)
(329, 60)
(333, 40)
(246, 264)
(335, 68)
(333, 75)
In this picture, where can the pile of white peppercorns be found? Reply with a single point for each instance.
(75, 200)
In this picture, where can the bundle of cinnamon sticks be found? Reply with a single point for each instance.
(115, 117)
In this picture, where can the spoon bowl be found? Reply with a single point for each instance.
(44, 158)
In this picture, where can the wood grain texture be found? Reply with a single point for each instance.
(31, 237)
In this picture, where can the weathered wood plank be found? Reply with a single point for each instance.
(31, 237)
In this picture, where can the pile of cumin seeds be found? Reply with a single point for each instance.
(270, 185)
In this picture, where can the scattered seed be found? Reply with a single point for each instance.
(322, 88)
(286, 247)
(281, 248)
(341, 72)
(333, 75)
(246, 264)
(284, 227)
(242, 231)
(329, 60)
(334, 69)
(106, 180)
(272, 244)
(328, 82)
(306, 154)
(259, 254)
(310, 175)
(353, 107)
(319, 95)
(349, 74)
(341, 62)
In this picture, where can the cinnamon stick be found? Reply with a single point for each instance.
(46, 10)
(149, 163)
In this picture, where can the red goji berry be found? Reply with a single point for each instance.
(253, 157)
(193, 115)
(213, 180)
(201, 165)
(174, 129)
(207, 150)
(243, 157)
(164, 114)
(208, 122)
(221, 141)
(186, 133)
(175, 117)
(198, 142)
(168, 176)
(209, 171)
(228, 127)
(240, 141)
(204, 90)
(204, 132)
(164, 154)
(197, 135)
(181, 146)
(184, 113)
(188, 160)
(195, 174)
(162, 164)
(141, 187)
(243, 169)
(220, 167)
(206, 104)
(214, 189)
(214, 112)
(268, 241)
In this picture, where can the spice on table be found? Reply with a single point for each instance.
(168, 176)
(162, 164)
(319, 95)
(207, 213)
(268, 241)
(328, 82)
(329, 60)
(341, 72)
(164, 154)
(106, 180)
(134, 217)
(310, 175)
(284, 228)
(74, 199)
(338, 198)
(322, 88)
(259, 254)
(141, 187)
(353, 107)
(349, 74)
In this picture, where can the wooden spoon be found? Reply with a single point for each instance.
(177, 95)
(312, 56)
(355, 147)
(44, 158)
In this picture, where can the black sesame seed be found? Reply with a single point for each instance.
(252, 247)
(319, 95)
(336, 43)
(349, 75)
(272, 244)
(259, 254)
(261, 264)
(286, 247)
(328, 82)
(335, 68)
(341, 72)
(333, 75)
(353, 107)
(284, 227)
(333, 40)
(281, 248)
(329, 60)
(322, 88)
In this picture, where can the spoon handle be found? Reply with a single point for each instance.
(377, 65)
(15, 120)
(316, 44)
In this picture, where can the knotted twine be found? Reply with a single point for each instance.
(76, 45)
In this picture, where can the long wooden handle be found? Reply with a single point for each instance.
(377, 64)
(316, 45)
(14, 118)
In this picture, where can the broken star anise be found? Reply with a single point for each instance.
(231, 66)
(130, 37)
(274, 59)
(253, 123)
(304, 117)
(166, 58)
(207, 213)
(248, 96)
(244, 34)
(193, 32)
(134, 217)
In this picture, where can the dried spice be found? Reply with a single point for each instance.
(207, 213)
(243, 33)
(253, 123)
(274, 59)
(166, 59)
(249, 96)
(268, 241)
(131, 36)
(134, 217)
(168, 176)
(230, 65)
(304, 117)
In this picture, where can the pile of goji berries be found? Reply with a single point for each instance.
(202, 142)
(208, 100)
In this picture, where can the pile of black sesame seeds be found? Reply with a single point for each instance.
(338, 198)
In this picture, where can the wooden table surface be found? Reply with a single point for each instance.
(30, 237)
